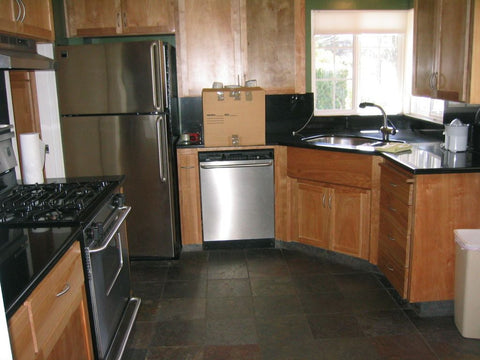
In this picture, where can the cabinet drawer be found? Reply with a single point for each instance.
(396, 184)
(397, 210)
(395, 241)
(52, 297)
(395, 272)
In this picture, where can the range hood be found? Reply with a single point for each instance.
(21, 54)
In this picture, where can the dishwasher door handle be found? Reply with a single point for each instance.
(236, 164)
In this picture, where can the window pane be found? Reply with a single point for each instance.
(333, 61)
(380, 72)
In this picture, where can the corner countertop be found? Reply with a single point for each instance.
(427, 155)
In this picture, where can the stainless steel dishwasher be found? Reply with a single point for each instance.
(238, 198)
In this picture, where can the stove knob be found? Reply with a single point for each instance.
(118, 200)
(95, 231)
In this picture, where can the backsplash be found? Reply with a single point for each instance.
(288, 113)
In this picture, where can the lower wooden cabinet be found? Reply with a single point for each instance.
(334, 200)
(396, 217)
(418, 214)
(53, 322)
(189, 196)
(332, 217)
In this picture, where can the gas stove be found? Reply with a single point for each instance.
(53, 204)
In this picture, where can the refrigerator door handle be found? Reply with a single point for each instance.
(162, 147)
(156, 64)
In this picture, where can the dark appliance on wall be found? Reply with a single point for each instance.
(39, 221)
(118, 105)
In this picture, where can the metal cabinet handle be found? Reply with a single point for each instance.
(24, 10)
(391, 238)
(66, 288)
(330, 202)
(434, 80)
(392, 209)
(323, 200)
(119, 21)
(390, 268)
(393, 185)
(19, 13)
(125, 20)
(187, 167)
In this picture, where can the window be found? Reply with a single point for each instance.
(364, 56)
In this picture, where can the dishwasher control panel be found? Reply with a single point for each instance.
(235, 155)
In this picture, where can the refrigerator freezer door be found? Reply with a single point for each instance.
(111, 78)
(138, 147)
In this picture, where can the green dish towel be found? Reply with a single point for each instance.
(394, 147)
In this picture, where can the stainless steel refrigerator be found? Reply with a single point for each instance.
(118, 107)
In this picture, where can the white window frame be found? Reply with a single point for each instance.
(334, 21)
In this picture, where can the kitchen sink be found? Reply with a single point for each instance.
(345, 140)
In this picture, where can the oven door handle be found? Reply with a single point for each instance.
(125, 210)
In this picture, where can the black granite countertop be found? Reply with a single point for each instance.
(26, 257)
(427, 155)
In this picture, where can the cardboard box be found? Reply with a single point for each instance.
(234, 117)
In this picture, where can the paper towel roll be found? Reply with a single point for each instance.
(33, 158)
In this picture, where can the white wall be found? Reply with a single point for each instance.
(49, 116)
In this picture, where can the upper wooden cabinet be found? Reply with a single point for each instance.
(29, 18)
(447, 50)
(119, 17)
(236, 40)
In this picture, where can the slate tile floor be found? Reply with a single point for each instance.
(275, 304)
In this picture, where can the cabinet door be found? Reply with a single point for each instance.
(38, 20)
(148, 17)
(208, 46)
(59, 311)
(189, 196)
(350, 221)
(74, 341)
(313, 201)
(93, 17)
(453, 42)
(424, 48)
(442, 40)
(9, 12)
(21, 335)
(270, 58)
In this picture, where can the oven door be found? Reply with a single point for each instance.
(109, 285)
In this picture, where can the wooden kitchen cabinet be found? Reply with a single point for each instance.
(332, 217)
(54, 318)
(119, 17)
(312, 213)
(236, 40)
(29, 18)
(417, 218)
(333, 199)
(189, 196)
(447, 50)
(396, 216)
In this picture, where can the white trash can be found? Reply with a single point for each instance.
(467, 282)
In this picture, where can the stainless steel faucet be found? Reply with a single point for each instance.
(385, 129)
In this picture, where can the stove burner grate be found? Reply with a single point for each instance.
(54, 203)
